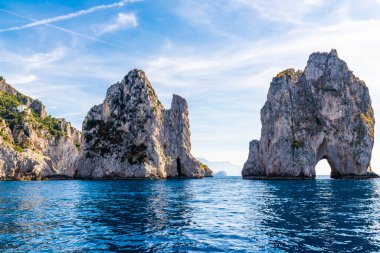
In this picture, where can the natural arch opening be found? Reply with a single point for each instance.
(327, 164)
(327, 167)
(323, 168)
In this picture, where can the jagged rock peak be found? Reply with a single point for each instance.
(138, 78)
(131, 135)
(323, 112)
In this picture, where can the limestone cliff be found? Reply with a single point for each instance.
(323, 112)
(131, 135)
(32, 144)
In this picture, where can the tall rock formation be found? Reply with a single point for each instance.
(33, 145)
(131, 135)
(323, 112)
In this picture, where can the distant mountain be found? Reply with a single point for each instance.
(220, 174)
(230, 168)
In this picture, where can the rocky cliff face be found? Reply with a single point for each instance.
(32, 144)
(131, 135)
(323, 112)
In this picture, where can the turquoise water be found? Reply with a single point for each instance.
(208, 215)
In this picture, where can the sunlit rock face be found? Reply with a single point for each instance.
(323, 112)
(34, 146)
(131, 135)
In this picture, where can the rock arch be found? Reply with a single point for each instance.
(323, 112)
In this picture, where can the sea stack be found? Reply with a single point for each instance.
(131, 135)
(323, 112)
(33, 145)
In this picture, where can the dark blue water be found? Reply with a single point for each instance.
(208, 215)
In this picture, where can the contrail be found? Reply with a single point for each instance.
(68, 16)
(64, 30)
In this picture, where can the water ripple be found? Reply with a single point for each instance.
(209, 215)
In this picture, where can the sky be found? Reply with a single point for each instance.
(219, 55)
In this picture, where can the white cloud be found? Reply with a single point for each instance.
(122, 21)
(43, 59)
(69, 16)
(22, 79)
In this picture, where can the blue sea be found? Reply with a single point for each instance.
(207, 215)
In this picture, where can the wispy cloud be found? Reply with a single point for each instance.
(70, 15)
(22, 79)
(278, 10)
(122, 21)
(81, 35)
(42, 59)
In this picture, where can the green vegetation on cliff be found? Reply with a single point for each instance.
(50, 124)
(13, 118)
(298, 144)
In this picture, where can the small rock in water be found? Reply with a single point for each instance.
(220, 174)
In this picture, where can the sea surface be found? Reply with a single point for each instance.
(207, 215)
